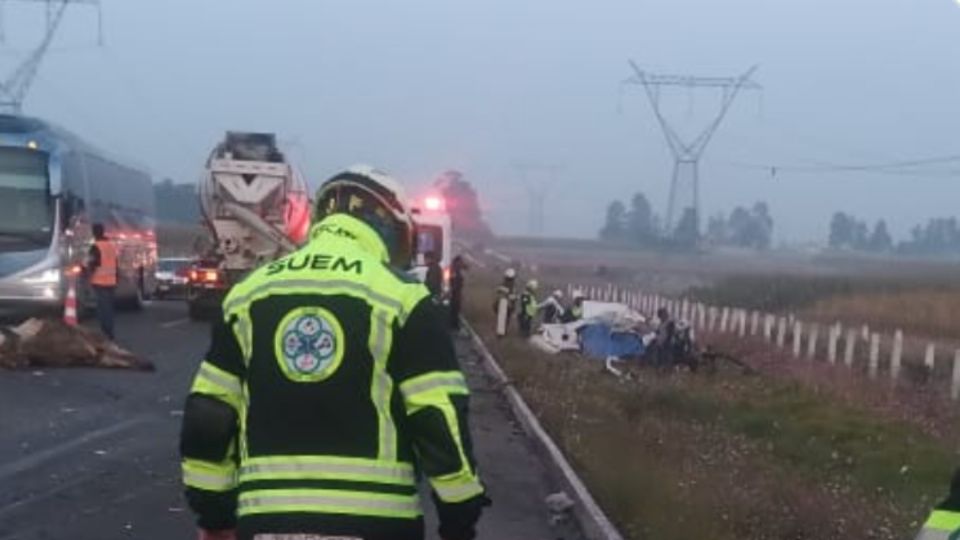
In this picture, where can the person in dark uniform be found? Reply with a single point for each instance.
(434, 278)
(457, 270)
(666, 335)
(528, 308)
(331, 386)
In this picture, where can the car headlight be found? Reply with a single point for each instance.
(47, 277)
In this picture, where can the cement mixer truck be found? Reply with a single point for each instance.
(255, 207)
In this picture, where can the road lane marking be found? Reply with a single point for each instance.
(175, 323)
(38, 458)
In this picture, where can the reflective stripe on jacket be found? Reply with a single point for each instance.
(105, 274)
(941, 525)
(528, 304)
(344, 381)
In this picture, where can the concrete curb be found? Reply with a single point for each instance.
(593, 522)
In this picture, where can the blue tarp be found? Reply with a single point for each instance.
(599, 341)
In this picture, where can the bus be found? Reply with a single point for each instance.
(53, 188)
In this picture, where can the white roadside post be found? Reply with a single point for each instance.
(834, 335)
(797, 338)
(865, 332)
(812, 341)
(743, 323)
(767, 327)
(930, 356)
(781, 332)
(701, 316)
(850, 348)
(955, 381)
(896, 355)
(711, 318)
(874, 355)
(754, 323)
(724, 315)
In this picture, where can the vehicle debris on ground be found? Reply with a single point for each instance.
(51, 343)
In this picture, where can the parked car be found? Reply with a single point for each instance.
(172, 275)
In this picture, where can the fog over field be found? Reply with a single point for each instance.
(419, 87)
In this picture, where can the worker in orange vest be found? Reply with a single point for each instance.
(102, 272)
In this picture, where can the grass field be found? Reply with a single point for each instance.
(730, 456)
(927, 305)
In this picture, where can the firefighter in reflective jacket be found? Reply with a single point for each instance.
(505, 292)
(528, 308)
(944, 521)
(575, 312)
(330, 385)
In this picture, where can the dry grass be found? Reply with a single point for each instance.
(730, 457)
(923, 312)
(921, 306)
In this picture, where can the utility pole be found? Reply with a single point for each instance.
(537, 192)
(687, 154)
(14, 88)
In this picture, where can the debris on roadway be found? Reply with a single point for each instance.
(50, 343)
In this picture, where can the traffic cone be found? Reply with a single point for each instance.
(70, 305)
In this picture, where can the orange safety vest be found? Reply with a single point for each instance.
(105, 275)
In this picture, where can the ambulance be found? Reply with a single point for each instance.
(434, 233)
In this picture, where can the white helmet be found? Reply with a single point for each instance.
(510, 273)
(377, 199)
(533, 284)
(558, 294)
(578, 295)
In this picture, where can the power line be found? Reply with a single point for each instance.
(900, 168)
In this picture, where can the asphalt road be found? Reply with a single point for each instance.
(90, 454)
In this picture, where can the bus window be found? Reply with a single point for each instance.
(26, 212)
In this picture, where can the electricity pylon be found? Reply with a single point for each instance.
(687, 154)
(14, 88)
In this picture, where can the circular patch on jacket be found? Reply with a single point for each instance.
(309, 344)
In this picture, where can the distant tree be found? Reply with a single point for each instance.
(861, 235)
(751, 228)
(841, 230)
(640, 226)
(176, 203)
(614, 225)
(466, 215)
(880, 240)
(762, 234)
(740, 224)
(687, 235)
(940, 236)
(717, 233)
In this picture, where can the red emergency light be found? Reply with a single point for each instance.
(204, 276)
(434, 203)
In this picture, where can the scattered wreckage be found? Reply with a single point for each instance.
(618, 335)
(51, 343)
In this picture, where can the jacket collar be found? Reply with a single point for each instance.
(347, 227)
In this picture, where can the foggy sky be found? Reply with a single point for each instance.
(421, 86)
